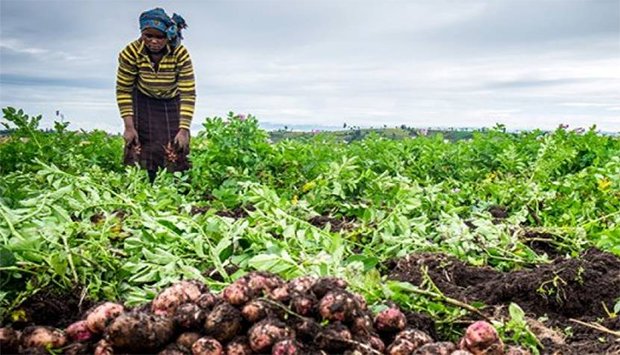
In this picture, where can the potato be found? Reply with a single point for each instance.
(482, 338)
(207, 346)
(326, 284)
(302, 284)
(186, 340)
(189, 316)
(267, 332)
(362, 325)
(460, 352)
(286, 347)
(223, 323)
(100, 316)
(417, 337)
(261, 283)
(181, 292)
(79, 331)
(43, 337)
(238, 346)
(338, 306)
(280, 294)
(140, 332)
(440, 348)
(304, 305)
(334, 338)
(401, 346)
(103, 348)
(207, 301)
(390, 320)
(237, 293)
(515, 350)
(9, 340)
(255, 310)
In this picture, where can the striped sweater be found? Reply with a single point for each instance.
(174, 76)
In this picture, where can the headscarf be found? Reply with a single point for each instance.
(159, 20)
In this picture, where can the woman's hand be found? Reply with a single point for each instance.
(131, 136)
(182, 140)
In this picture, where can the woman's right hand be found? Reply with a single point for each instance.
(131, 136)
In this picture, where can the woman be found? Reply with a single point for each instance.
(155, 91)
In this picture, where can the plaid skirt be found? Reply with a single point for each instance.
(157, 123)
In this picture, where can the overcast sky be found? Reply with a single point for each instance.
(314, 63)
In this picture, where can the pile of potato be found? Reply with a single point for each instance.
(259, 313)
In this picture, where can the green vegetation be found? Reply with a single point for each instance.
(71, 214)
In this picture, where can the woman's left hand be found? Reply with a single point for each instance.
(182, 140)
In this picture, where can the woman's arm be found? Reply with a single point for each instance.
(187, 89)
(125, 82)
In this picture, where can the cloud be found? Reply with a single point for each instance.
(303, 63)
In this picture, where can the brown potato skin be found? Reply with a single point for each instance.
(42, 337)
(9, 339)
(99, 317)
(207, 346)
(223, 323)
(140, 332)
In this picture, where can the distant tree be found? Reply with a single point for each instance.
(344, 125)
(286, 128)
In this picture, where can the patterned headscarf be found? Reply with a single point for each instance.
(159, 20)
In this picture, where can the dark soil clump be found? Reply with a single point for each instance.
(51, 307)
(564, 289)
(335, 224)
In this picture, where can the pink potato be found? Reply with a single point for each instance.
(482, 338)
(390, 320)
(179, 293)
(43, 337)
(100, 316)
(207, 346)
(79, 331)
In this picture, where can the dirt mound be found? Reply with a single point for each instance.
(564, 289)
(50, 307)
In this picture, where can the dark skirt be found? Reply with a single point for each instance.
(157, 123)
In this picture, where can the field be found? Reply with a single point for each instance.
(520, 230)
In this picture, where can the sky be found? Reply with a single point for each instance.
(318, 64)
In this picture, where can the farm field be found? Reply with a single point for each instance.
(519, 230)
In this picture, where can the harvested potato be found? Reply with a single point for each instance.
(304, 304)
(99, 317)
(79, 331)
(326, 284)
(267, 332)
(334, 338)
(207, 346)
(390, 320)
(261, 283)
(43, 337)
(482, 338)
(238, 346)
(189, 316)
(9, 339)
(237, 293)
(186, 340)
(140, 332)
(223, 323)
(286, 347)
(181, 292)
(515, 350)
(103, 348)
(440, 348)
(338, 306)
(417, 337)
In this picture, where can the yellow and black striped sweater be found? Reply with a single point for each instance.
(174, 76)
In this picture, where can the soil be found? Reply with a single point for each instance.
(51, 307)
(563, 290)
(335, 224)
